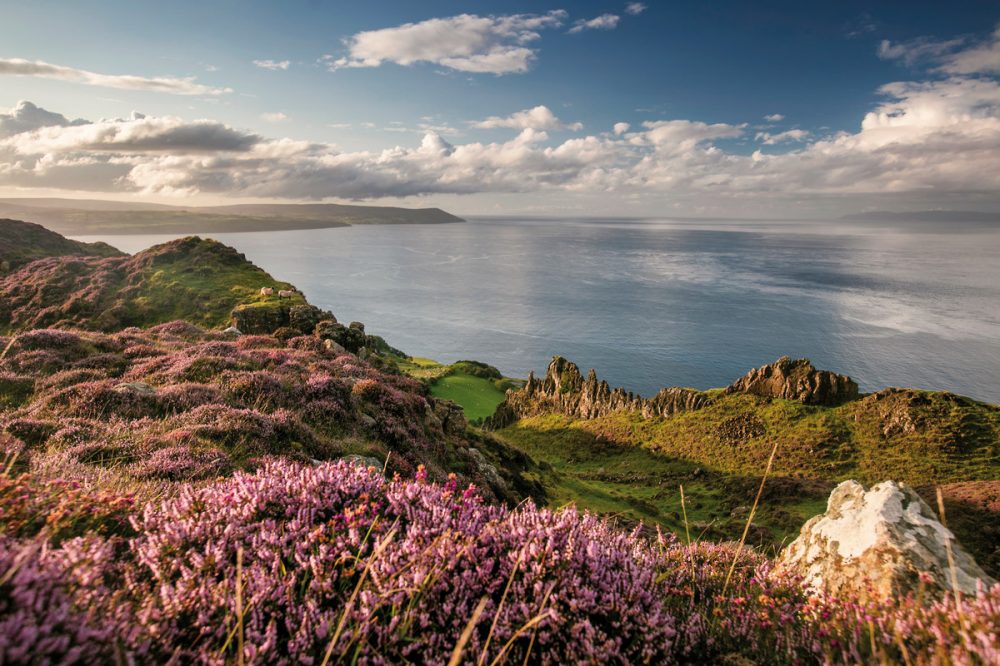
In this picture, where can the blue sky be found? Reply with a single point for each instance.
(694, 82)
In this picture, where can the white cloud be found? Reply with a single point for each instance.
(26, 117)
(177, 86)
(782, 137)
(274, 117)
(951, 56)
(137, 134)
(929, 139)
(916, 50)
(467, 43)
(539, 118)
(635, 8)
(273, 65)
(982, 58)
(774, 117)
(602, 22)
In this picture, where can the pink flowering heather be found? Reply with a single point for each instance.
(39, 621)
(308, 534)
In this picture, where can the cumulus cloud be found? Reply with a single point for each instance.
(940, 136)
(782, 137)
(177, 86)
(539, 118)
(467, 43)
(774, 117)
(137, 134)
(635, 8)
(274, 117)
(602, 22)
(26, 117)
(273, 65)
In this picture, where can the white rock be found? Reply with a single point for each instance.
(879, 540)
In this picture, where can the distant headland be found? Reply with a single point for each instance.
(82, 217)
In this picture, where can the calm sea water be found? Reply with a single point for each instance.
(662, 303)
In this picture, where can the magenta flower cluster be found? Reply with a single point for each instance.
(299, 563)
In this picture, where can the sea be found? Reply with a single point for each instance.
(661, 302)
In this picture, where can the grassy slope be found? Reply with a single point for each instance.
(629, 466)
(204, 291)
(478, 396)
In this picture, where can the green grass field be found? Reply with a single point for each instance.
(478, 397)
(635, 484)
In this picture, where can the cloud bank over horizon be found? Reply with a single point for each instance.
(934, 134)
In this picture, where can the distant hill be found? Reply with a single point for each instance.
(84, 217)
(22, 242)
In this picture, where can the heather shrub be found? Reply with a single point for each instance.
(184, 397)
(113, 364)
(105, 399)
(67, 378)
(182, 463)
(177, 330)
(31, 431)
(63, 509)
(39, 622)
(421, 557)
(245, 342)
(306, 343)
(260, 389)
(104, 453)
(247, 433)
(14, 389)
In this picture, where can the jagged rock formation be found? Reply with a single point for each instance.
(564, 390)
(878, 542)
(797, 380)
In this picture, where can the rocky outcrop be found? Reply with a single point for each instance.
(566, 391)
(878, 543)
(797, 380)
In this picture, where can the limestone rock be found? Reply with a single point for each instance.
(232, 330)
(797, 380)
(878, 541)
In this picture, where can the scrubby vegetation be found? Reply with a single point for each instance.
(333, 563)
(633, 466)
(196, 280)
(177, 402)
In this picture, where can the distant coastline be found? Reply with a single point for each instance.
(93, 217)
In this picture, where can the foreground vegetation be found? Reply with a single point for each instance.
(626, 465)
(334, 564)
(171, 494)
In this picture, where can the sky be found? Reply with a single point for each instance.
(682, 108)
